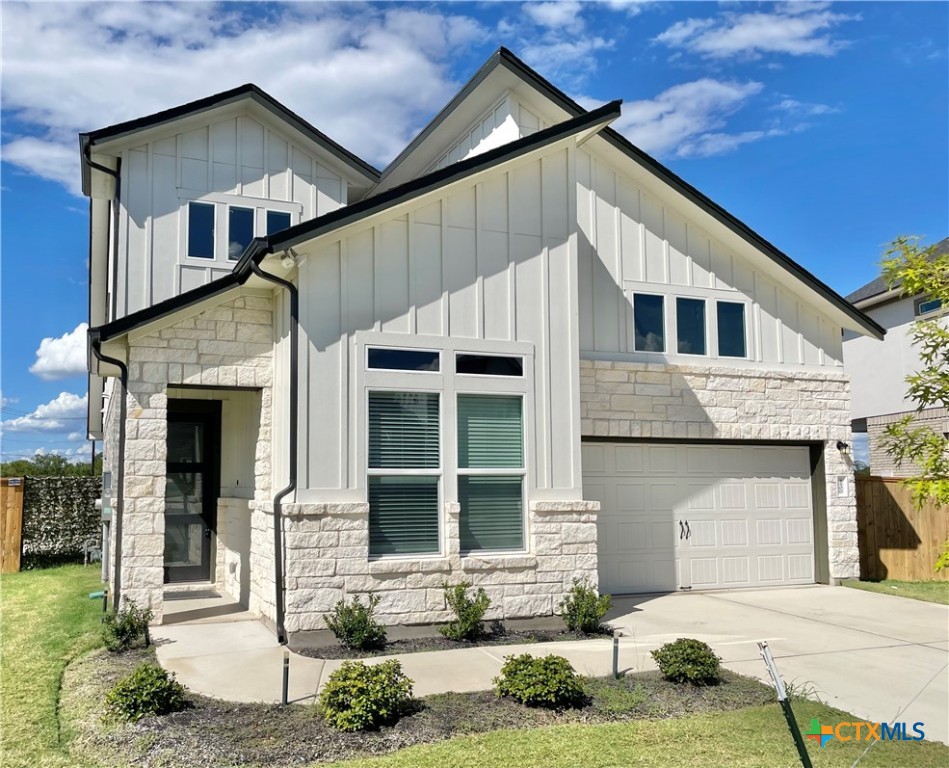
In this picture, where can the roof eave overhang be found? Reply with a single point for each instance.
(583, 126)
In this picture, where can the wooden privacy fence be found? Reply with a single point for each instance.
(11, 523)
(896, 540)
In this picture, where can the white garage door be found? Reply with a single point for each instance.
(700, 516)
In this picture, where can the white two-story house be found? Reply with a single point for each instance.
(524, 352)
(878, 368)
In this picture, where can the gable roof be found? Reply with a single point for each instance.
(246, 92)
(506, 60)
(586, 123)
(878, 286)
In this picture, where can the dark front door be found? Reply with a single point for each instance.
(191, 487)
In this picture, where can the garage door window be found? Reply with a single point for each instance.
(404, 473)
(491, 472)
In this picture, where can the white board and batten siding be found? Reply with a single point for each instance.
(631, 241)
(700, 516)
(475, 269)
(507, 121)
(234, 161)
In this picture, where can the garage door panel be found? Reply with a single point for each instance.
(748, 510)
(735, 571)
(732, 496)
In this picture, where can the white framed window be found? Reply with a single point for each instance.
(732, 328)
(924, 306)
(404, 472)
(691, 326)
(219, 227)
(491, 472)
(480, 391)
(649, 322)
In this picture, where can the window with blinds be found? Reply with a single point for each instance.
(404, 473)
(491, 472)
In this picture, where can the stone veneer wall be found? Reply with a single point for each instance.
(327, 549)
(624, 399)
(884, 465)
(228, 345)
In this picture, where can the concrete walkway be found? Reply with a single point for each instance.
(879, 657)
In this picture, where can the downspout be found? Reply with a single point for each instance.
(120, 485)
(292, 473)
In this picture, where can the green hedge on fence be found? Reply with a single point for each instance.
(59, 517)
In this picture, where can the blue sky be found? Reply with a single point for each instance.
(823, 126)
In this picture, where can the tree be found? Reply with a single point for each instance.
(49, 465)
(923, 272)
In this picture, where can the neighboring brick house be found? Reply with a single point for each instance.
(525, 352)
(878, 368)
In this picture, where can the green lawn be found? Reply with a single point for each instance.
(748, 738)
(930, 591)
(47, 620)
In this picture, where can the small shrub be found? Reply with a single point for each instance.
(126, 628)
(582, 610)
(354, 625)
(149, 690)
(359, 697)
(548, 682)
(469, 613)
(688, 661)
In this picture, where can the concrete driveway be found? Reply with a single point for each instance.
(879, 657)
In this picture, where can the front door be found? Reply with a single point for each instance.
(191, 487)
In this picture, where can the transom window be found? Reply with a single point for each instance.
(393, 359)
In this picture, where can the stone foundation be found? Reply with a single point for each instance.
(641, 400)
(327, 554)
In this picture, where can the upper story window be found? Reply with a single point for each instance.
(690, 326)
(201, 230)
(649, 323)
(732, 337)
(220, 227)
(926, 306)
(389, 358)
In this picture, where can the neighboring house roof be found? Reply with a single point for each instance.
(878, 286)
(588, 122)
(248, 91)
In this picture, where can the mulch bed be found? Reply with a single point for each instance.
(498, 635)
(216, 733)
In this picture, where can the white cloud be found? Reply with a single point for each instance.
(630, 7)
(63, 414)
(5, 401)
(560, 14)
(795, 28)
(63, 357)
(721, 143)
(794, 107)
(367, 76)
(678, 116)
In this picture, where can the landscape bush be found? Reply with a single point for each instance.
(354, 625)
(548, 681)
(688, 661)
(360, 697)
(148, 690)
(582, 610)
(468, 623)
(126, 628)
